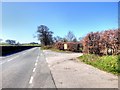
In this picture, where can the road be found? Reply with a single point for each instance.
(26, 69)
(34, 68)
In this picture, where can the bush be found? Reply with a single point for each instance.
(100, 43)
(59, 45)
(71, 46)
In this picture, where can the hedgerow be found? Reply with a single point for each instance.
(106, 42)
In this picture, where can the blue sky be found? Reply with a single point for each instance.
(21, 19)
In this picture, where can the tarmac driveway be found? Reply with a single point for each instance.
(68, 73)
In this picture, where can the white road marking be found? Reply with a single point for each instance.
(24, 53)
(37, 57)
(49, 65)
(1, 63)
(34, 69)
(41, 54)
(12, 58)
(31, 79)
(35, 64)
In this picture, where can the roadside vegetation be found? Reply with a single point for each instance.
(30, 44)
(18, 44)
(4, 44)
(100, 49)
(106, 63)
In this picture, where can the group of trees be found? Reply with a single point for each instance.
(12, 42)
(106, 42)
(46, 36)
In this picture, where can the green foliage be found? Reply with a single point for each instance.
(46, 47)
(12, 42)
(106, 63)
(30, 45)
(5, 44)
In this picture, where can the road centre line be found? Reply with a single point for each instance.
(34, 69)
(37, 57)
(31, 79)
(36, 60)
(35, 64)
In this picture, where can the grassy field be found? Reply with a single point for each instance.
(107, 63)
(30, 45)
(6, 44)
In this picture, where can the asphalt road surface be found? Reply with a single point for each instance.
(26, 69)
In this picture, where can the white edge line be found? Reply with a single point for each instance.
(12, 58)
(31, 79)
(24, 53)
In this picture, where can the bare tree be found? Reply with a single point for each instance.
(70, 36)
(57, 39)
(44, 35)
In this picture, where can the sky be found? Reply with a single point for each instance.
(21, 19)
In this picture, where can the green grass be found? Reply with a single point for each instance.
(107, 63)
(5, 44)
(30, 45)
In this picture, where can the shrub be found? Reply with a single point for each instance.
(106, 42)
(59, 45)
(71, 46)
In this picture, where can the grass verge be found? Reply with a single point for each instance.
(107, 63)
